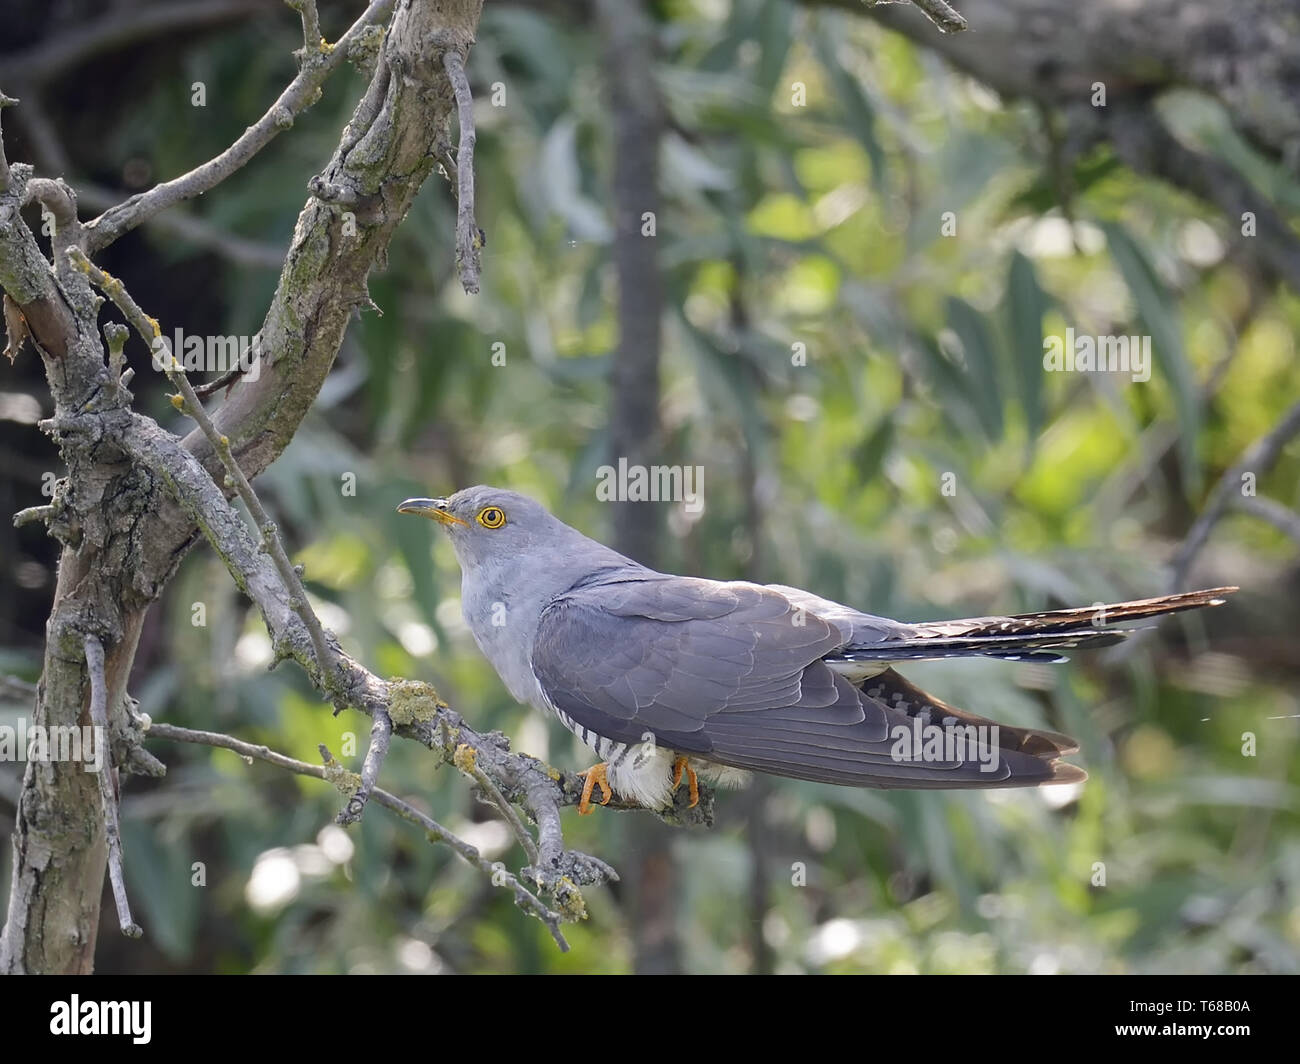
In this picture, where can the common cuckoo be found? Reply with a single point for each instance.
(671, 677)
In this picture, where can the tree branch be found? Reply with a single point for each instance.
(5, 177)
(107, 785)
(1257, 460)
(937, 11)
(468, 238)
(149, 331)
(333, 773)
(302, 92)
(381, 733)
(1277, 515)
(16, 689)
(467, 762)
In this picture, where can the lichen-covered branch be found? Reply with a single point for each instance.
(381, 735)
(333, 773)
(149, 331)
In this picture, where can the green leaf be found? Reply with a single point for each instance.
(1026, 304)
(775, 34)
(158, 876)
(869, 455)
(857, 107)
(981, 364)
(1161, 322)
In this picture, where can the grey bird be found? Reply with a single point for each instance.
(671, 677)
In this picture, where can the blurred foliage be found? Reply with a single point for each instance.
(783, 228)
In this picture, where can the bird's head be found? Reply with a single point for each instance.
(492, 529)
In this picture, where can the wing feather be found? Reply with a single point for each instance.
(735, 673)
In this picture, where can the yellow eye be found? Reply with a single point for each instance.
(491, 517)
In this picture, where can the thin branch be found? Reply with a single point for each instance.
(50, 158)
(1257, 460)
(302, 92)
(467, 762)
(498, 875)
(468, 238)
(225, 380)
(381, 733)
(6, 179)
(35, 513)
(311, 38)
(148, 328)
(1277, 515)
(937, 11)
(107, 790)
(56, 197)
(13, 687)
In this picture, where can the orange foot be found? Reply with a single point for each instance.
(682, 765)
(594, 775)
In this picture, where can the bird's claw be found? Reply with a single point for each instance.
(591, 777)
(680, 766)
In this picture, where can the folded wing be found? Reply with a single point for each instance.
(738, 674)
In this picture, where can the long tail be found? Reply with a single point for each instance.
(1027, 636)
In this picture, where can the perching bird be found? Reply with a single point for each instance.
(670, 676)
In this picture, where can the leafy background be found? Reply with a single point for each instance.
(780, 225)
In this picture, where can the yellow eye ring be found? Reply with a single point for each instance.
(491, 517)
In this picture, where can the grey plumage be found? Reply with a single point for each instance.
(648, 668)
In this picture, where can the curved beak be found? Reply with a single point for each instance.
(435, 509)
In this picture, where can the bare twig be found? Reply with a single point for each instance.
(13, 687)
(34, 513)
(56, 197)
(311, 38)
(50, 157)
(107, 789)
(498, 875)
(1258, 459)
(937, 11)
(468, 239)
(301, 94)
(229, 377)
(467, 761)
(381, 733)
(148, 329)
(5, 177)
(1277, 515)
